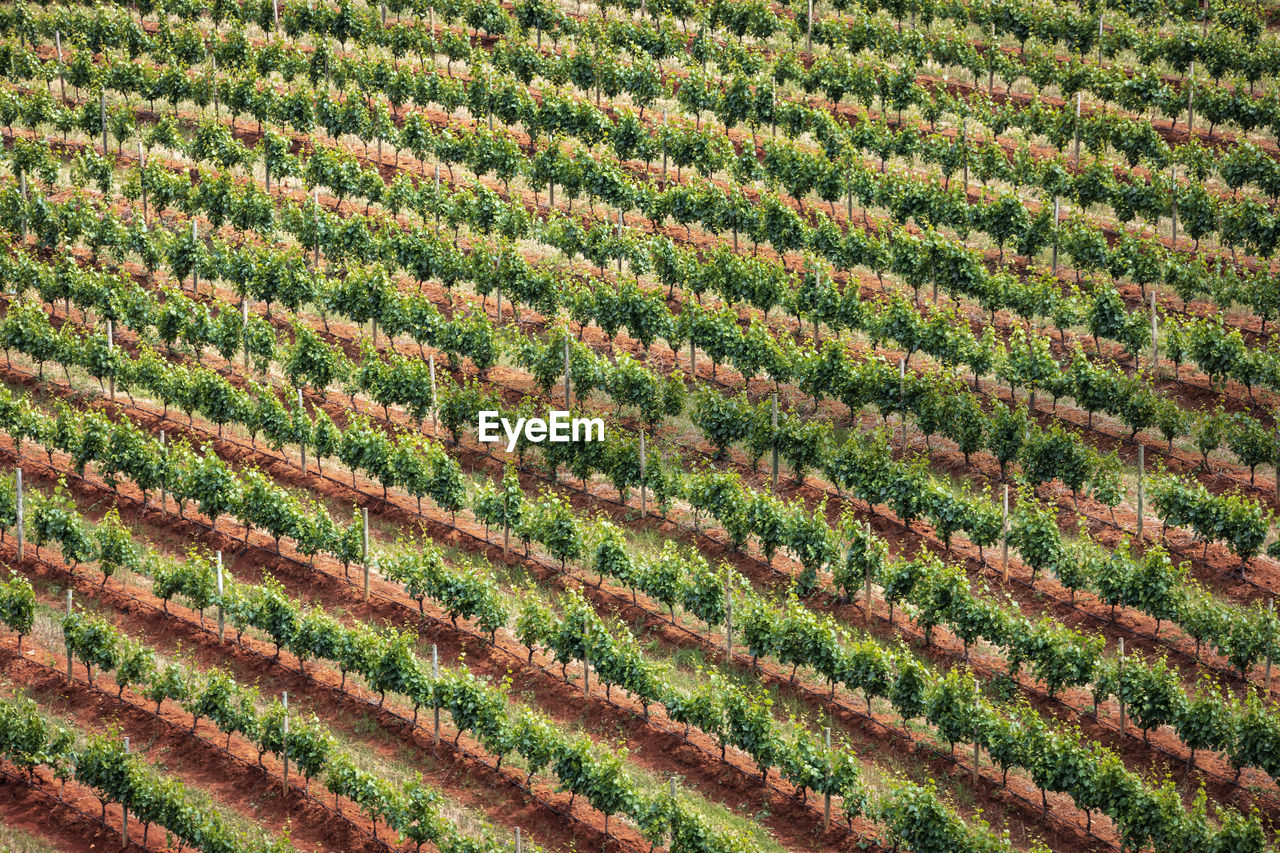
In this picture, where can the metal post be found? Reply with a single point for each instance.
(195, 269)
(728, 614)
(163, 487)
(519, 842)
(620, 241)
(1275, 437)
(664, 148)
(1119, 682)
(1173, 192)
(315, 200)
(19, 521)
(111, 345)
(1055, 235)
(62, 80)
(566, 371)
(808, 30)
(1101, 12)
(774, 450)
(673, 787)
(826, 797)
(693, 358)
(643, 488)
(435, 674)
(284, 740)
(22, 190)
(1004, 535)
(244, 329)
(68, 642)
(866, 606)
(499, 306)
(1142, 468)
(221, 609)
(1079, 101)
(435, 401)
(586, 675)
(435, 200)
(1191, 69)
(964, 150)
(142, 181)
(1155, 328)
(302, 445)
(364, 547)
(1271, 621)
(124, 823)
(275, 13)
(902, 397)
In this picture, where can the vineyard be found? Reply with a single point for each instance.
(937, 348)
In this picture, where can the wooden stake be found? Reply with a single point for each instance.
(102, 112)
(808, 30)
(586, 676)
(519, 842)
(1173, 177)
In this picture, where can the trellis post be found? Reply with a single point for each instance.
(1004, 535)
(435, 674)
(18, 523)
(221, 609)
(364, 547)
